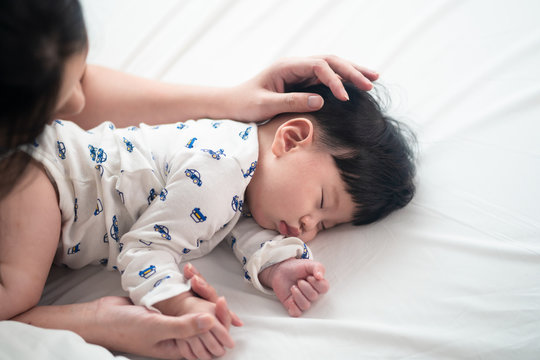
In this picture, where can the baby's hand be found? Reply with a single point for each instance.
(296, 282)
(206, 345)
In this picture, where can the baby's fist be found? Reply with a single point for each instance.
(296, 282)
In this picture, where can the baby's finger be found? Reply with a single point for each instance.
(291, 307)
(300, 300)
(185, 349)
(222, 312)
(190, 270)
(322, 286)
(226, 316)
(211, 344)
(307, 289)
(222, 335)
(199, 349)
(203, 289)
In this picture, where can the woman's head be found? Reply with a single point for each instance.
(39, 40)
(373, 152)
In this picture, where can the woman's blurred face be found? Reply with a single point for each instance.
(71, 99)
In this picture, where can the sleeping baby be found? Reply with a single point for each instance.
(142, 200)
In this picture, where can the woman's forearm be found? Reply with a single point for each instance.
(128, 100)
(78, 318)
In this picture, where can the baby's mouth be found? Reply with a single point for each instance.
(285, 229)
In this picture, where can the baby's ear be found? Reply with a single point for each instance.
(293, 134)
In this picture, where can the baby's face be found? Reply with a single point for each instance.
(300, 194)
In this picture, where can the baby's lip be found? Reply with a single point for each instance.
(285, 229)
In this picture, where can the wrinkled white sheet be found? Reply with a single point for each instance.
(455, 275)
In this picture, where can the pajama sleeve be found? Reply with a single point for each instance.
(180, 219)
(258, 248)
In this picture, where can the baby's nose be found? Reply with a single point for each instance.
(308, 223)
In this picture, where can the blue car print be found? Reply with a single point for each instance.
(190, 143)
(61, 150)
(121, 195)
(194, 175)
(157, 283)
(149, 271)
(129, 145)
(163, 194)
(99, 208)
(101, 156)
(215, 154)
(97, 154)
(100, 169)
(245, 134)
(163, 230)
(167, 169)
(197, 215)
(251, 170)
(152, 196)
(181, 126)
(74, 249)
(114, 229)
(305, 253)
(236, 204)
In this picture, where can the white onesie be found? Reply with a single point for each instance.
(144, 199)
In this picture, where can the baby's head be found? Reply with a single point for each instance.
(373, 152)
(358, 163)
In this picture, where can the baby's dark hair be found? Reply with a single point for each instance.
(373, 152)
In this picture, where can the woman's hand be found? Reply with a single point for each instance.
(264, 96)
(137, 330)
(200, 287)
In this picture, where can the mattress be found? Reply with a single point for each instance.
(455, 274)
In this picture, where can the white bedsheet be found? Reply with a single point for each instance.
(455, 275)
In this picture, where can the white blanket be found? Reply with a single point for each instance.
(456, 274)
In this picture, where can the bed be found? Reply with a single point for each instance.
(454, 275)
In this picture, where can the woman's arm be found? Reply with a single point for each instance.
(115, 323)
(128, 100)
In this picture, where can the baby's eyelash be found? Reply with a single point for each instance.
(322, 204)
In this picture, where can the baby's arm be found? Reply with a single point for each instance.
(272, 261)
(296, 282)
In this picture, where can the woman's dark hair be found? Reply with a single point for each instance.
(373, 152)
(36, 39)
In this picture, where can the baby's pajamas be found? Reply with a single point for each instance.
(143, 199)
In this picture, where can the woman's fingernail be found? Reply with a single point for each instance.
(314, 102)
